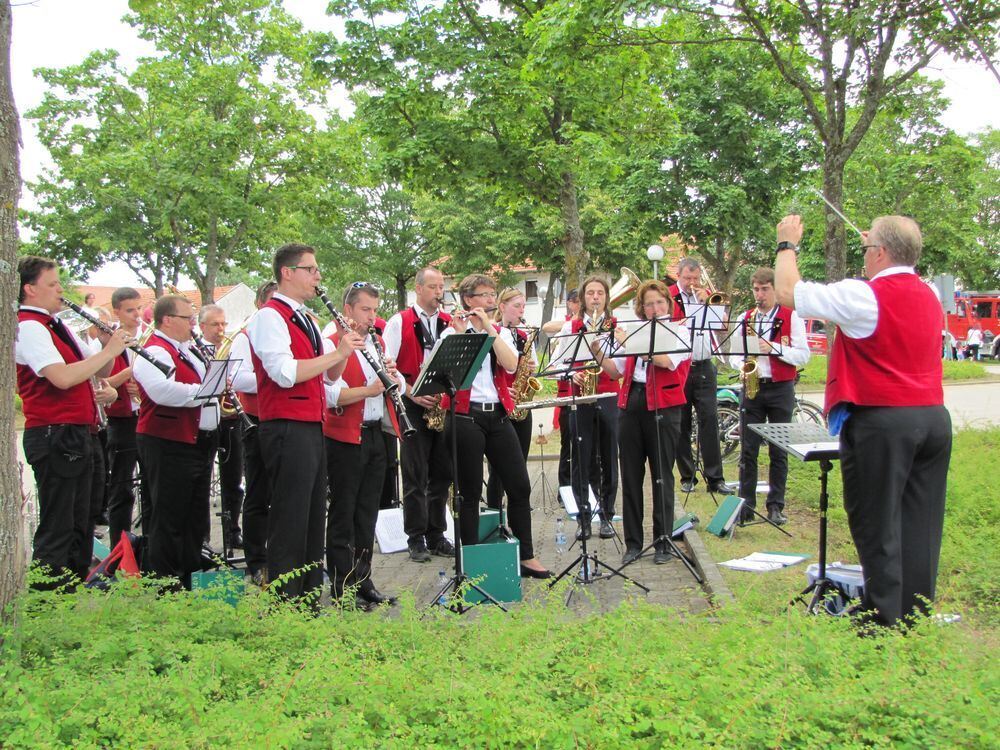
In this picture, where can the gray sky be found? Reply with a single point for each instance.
(57, 33)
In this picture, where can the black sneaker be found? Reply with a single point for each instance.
(631, 555)
(419, 553)
(775, 516)
(607, 530)
(444, 548)
(661, 557)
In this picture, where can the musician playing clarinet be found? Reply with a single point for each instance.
(290, 359)
(356, 454)
(54, 373)
(177, 435)
(484, 429)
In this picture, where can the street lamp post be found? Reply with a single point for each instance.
(655, 254)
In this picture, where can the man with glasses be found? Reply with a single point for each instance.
(409, 337)
(290, 358)
(887, 405)
(176, 435)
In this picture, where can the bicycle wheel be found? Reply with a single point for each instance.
(807, 412)
(729, 434)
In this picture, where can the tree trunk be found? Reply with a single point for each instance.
(577, 259)
(834, 242)
(401, 293)
(547, 304)
(13, 553)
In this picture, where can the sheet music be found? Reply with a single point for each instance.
(668, 336)
(711, 317)
(213, 384)
(391, 535)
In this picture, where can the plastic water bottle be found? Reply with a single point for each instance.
(560, 537)
(442, 587)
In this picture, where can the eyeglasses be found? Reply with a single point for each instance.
(188, 318)
(311, 270)
(864, 248)
(484, 294)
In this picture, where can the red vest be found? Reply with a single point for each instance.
(122, 407)
(343, 423)
(900, 363)
(303, 402)
(43, 403)
(411, 347)
(179, 423)
(501, 380)
(605, 383)
(781, 371)
(669, 385)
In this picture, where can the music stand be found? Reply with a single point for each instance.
(450, 367)
(649, 339)
(570, 363)
(808, 442)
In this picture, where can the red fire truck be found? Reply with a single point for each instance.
(975, 307)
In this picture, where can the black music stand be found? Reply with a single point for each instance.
(588, 561)
(809, 442)
(656, 337)
(452, 366)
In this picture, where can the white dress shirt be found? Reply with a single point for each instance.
(795, 352)
(374, 405)
(393, 333)
(167, 391)
(244, 379)
(850, 303)
(701, 344)
(272, 342)
(641, 371)
(484, 390)
(34, 346)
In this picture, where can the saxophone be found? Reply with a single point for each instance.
(434, 417)
(525, 386)
(593, 324)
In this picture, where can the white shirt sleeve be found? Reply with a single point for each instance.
(508, 338)
(271, 341)
(34, 347)
(333, 391)
(797, 351)
(161, 389)
(245, 380)
(850, 304)
(393, 336)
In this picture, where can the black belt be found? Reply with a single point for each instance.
(636, 384)
(372, 424)
(485, 406)
(696, 362)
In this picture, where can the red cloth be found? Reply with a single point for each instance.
(781, 371)
(170, 422)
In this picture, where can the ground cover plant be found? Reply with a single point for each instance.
(129, 669)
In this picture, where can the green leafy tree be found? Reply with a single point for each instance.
(194, 160)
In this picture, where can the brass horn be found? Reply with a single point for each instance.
(624, 289)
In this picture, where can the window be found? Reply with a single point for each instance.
(531, 289)
(984, 309)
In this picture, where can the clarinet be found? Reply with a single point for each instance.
(391, 385)
(396, 396)
(167, 370)
(229, 394)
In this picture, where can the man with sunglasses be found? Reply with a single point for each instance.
(409, 337)
(290, 359)
(176, 436)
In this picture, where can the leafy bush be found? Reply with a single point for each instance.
(128, 669)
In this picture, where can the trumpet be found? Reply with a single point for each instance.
(103, 327)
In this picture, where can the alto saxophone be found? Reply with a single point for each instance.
(525, 386)
(434, 416)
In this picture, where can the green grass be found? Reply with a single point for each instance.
(129, 669)
(814, 373)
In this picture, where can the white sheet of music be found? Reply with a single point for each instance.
(391, 535)
(714, 318)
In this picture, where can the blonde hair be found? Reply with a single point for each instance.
(506, 296)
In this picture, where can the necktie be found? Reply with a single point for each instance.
(63, 333)
(310, 331)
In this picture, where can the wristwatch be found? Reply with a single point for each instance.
(786, 245)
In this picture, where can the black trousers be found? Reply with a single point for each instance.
(390, 484)
(231, 471)
(180, 482)
(257, 500)
(494, 486)
(604, 457)
(491, 434)
(295, 460)
(894, 462)
(774, 403)
(62, 459)
(426, 465)
(356, 474)
(577, 429)
(99, 492)
(639, 446)
(122, 460)
(700, 391)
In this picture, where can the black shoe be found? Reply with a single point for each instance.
(607, 530)
(419, 553)
(363, 605)
(746, 515)
(775, 516)
(374, 596)
(722, 488)
(687, 485)
(631, 555)
(661, 557)
(444, 548)
(236, 539)
(532, 573)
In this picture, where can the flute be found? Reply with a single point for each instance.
(166, 369)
